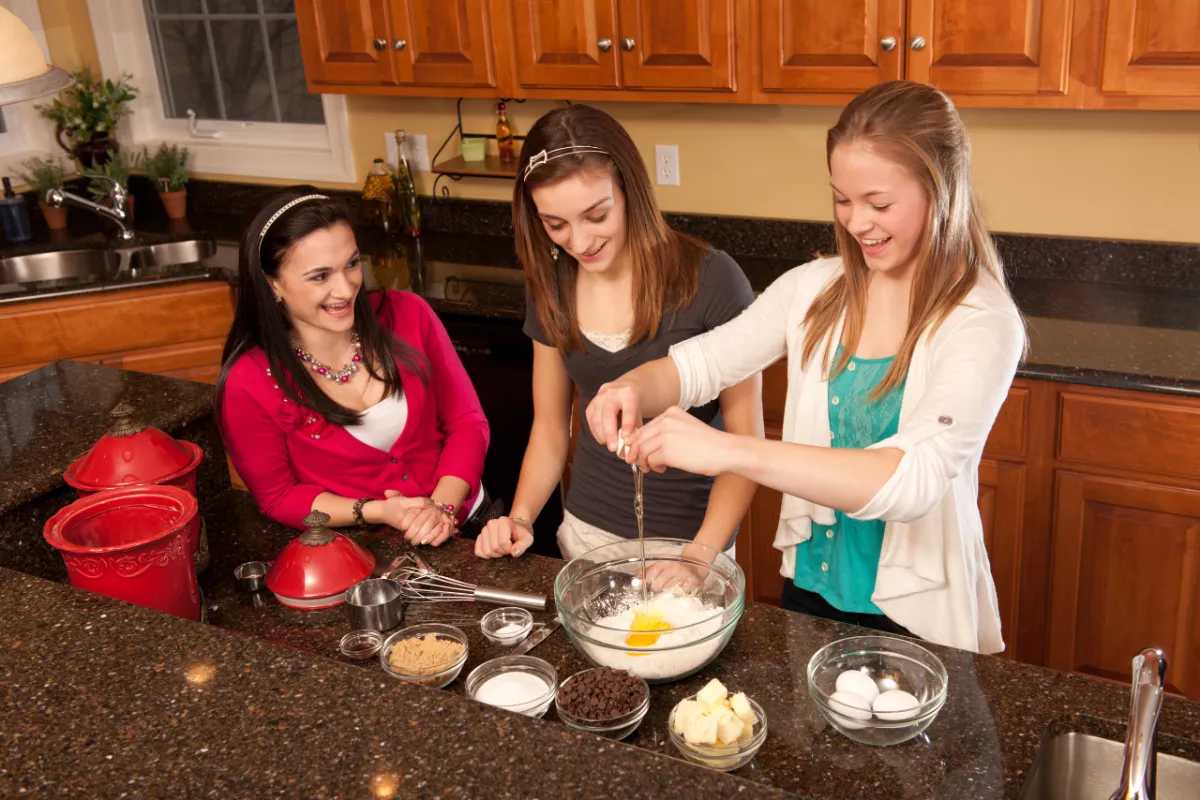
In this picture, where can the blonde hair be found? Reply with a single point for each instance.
(917, 127)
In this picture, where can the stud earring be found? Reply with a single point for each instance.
(554, 252)
(278, 299)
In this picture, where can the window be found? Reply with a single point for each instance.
(236, 64)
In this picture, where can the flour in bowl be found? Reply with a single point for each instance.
(685, 612)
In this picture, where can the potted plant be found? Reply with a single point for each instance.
(116, 166)
(166, 168)
(43, 174)
(87, 113)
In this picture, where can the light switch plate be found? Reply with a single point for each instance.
(416, 150)
(666, 159)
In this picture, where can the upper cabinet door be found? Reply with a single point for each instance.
(345, 41)
(823, 46)
(442, 42)
(994, 47)
(569, 43)
(677, 44)
(1152, 47)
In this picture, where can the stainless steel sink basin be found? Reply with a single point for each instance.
(59, 264)
(1078, 766)
(166, 254)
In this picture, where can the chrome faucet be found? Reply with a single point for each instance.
(1146, 698)
(117, 195)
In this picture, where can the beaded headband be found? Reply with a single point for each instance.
(549, 155)
(262, 234)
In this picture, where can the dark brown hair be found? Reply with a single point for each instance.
(666, 263)
(917, 127)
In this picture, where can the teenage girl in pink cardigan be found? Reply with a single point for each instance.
(337, 400)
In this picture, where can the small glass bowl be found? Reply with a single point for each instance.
(528, 664)
(901, 663)
(360, 645)
(724, 758)
(435, 677)
(613, 728)
(493, 622)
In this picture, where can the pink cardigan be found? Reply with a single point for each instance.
(287, 455)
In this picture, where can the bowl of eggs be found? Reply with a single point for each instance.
(877, 690)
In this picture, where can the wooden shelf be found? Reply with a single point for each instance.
(490, 167)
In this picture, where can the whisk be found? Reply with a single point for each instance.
(421, 586)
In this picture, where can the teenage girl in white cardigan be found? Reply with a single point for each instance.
(900, 353)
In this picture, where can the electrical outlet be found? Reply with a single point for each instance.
(416, 150)
(666, 157)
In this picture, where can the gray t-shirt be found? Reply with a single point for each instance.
(601, 492)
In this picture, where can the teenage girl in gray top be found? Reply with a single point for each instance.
(610, 287)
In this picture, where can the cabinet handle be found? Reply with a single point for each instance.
(605, 45)
(399, 44)
(917, 43)
(627, 44)
(380, 44)
(888, 43)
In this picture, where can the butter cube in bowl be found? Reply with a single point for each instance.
(716, 729)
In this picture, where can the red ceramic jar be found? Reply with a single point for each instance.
(132, 544)
(132, 453)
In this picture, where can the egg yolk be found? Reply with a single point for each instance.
(646, 628)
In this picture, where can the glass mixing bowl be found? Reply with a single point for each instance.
(597, 593)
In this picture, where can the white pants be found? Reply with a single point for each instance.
(576, 537)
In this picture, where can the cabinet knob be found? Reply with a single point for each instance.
(380, 44)
(627, 44)
(917, 43)
(605, 45)
(888, 43)
(399, 44)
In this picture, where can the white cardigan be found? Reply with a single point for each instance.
(934, 577)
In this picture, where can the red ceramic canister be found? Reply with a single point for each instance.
(131, 453)
(133, 544)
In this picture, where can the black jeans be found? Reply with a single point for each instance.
(806, 602)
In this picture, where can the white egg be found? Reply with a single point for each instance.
(848, 706)
(895, 706)
(859, 683)
(886, 684)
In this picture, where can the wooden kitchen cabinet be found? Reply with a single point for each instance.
(442, 42)
(565, 43)
(678, 44)
(1001, 47)
(1126, 576)
(817, 46)
(1149, 49)
(346, 41)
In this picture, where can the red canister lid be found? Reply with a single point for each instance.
(131, 452)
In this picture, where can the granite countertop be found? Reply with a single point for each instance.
(36, 446)
(140, 699)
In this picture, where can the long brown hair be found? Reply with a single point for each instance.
(665, 263)
(916, 126)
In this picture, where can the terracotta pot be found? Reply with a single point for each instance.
(175, 203)
(131, 453)
(56, 218)
(131, 544)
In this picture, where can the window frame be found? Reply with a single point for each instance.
(298, 152)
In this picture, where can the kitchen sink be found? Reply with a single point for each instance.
(165, 254)
(1078, 766)
(58, 265)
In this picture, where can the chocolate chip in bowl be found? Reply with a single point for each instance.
(604, 701)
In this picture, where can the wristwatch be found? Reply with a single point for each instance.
(359, 520)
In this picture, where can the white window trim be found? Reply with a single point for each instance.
(29, 134)
(252, 150)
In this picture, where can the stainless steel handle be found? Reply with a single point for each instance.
(605, 45)
(507, 597)
(380, 44)
(627, 44)
(917, 43)
(1146, 697)
(888, 43)
(399, 44)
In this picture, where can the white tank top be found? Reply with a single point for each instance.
(382, 423)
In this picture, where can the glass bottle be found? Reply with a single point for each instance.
(15, 215)
(406, 190)
(378, 196)
(504, 135)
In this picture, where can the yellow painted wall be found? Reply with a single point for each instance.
(1127, 174)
